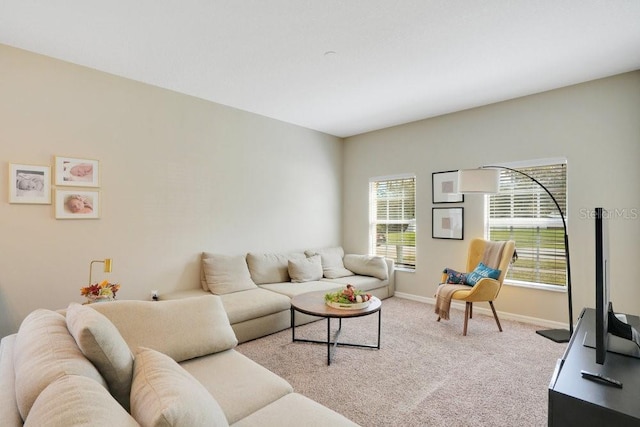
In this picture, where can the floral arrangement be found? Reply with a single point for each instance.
(350, 295)
(100, 291)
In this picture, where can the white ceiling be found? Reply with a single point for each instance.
(394, 61)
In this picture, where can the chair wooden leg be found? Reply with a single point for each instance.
(467, 311)
(470, 310)
(438, 319)
(495, 315)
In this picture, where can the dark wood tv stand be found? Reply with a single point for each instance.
(576, 401)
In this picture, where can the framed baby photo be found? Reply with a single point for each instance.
(77, 172)
(78, 204)
(29, 184)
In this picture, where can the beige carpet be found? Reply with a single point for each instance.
(425, 374)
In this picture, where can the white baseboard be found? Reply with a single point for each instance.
(501, 314)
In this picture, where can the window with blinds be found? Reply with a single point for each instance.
(524, 212)
(392, 213)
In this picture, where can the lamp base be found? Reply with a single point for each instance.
(557, 335)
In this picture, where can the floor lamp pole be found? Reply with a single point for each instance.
(557, 335)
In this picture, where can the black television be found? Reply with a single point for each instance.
(611, 333)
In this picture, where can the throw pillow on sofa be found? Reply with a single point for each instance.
(74, 400)
(332, 262)
(305, 270)
(101, 343)
(271, 268)
(163, 393)
(227, 273)
(367, 265)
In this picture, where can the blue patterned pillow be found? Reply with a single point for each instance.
(455, 276)
(481, 272)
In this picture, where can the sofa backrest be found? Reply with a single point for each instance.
(182, 329)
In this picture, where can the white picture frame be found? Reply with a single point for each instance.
(29, 184)
(76, 172)
(77, 204)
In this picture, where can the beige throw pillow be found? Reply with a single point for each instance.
(77, 401)
(305, 270)
(270, 268)
(164, 394)
(367, 265)
(332, 264)
(226, 274)
(101, 343)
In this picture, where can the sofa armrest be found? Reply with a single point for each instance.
(391, 267)
(9, 414)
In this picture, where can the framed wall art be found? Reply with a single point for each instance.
(447, 223)
(77, 172)
(29, 184)
(77, 204)
(445, 185)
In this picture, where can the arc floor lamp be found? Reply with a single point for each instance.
(485, 180)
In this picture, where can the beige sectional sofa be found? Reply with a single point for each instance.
(167, 363)
(256, 289)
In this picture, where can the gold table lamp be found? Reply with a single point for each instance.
(107, 266)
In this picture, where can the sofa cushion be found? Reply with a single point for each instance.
(367, 265)
(74, 400)
(362, 283)
(240, 385)
(247, 305)
(305, 270)
(332, 263)
(164, 394)
(101, 343)
(291, 289)
(9, 414)
(45, 351)
(226, 273)
(307, 413)
(182, 328)
(270, 268)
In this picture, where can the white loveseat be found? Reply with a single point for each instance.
(256, 289)
(78, 368)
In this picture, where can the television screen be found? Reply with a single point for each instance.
(602, 285)
(611, 333)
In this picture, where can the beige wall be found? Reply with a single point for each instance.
(595, 125)
(179, 176)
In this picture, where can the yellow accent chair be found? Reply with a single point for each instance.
(486, 289)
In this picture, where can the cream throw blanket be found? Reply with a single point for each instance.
(491, 258)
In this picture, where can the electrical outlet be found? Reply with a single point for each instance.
(154, 295)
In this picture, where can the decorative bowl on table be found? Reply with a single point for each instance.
(348, 299)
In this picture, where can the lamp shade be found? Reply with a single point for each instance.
(483, 181)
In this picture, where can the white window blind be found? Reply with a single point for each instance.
(524, 212)
(392, 213)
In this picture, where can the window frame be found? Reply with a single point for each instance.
(400, 255)
(536, 192)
